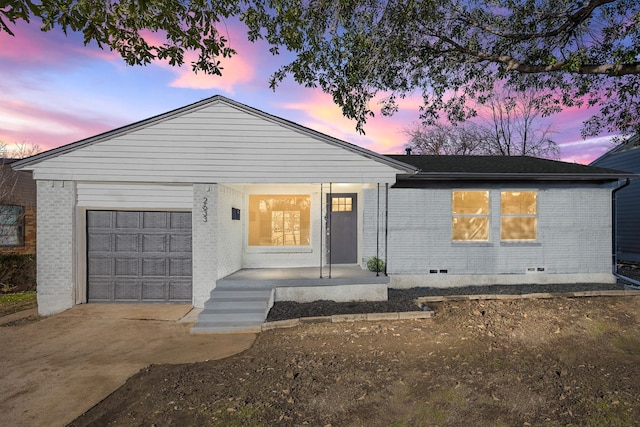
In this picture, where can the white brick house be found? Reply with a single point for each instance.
(163, 209)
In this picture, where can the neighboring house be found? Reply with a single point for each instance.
(17, 210)
(626, 157)
(163, 209)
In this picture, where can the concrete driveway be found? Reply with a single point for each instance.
(55, 369)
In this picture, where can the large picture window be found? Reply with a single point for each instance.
(11, 225)
(470, 215)
(279, 220)
(518, 220)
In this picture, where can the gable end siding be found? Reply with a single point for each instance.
(216, 143)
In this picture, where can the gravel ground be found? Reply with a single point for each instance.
(404, 299)
(631, 271)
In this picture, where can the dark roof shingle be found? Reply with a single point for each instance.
(506, 166)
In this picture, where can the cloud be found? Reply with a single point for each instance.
(33, 48)
(236, 70)
(383, 134)
(29, 46)
(24, 122)
(587, 150)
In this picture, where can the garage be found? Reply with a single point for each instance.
(139, 257)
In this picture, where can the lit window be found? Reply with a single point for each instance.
(279, 220)
(341, 204)
(518, 219)
(470, 215)
(11, 225)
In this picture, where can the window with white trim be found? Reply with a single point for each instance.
(279, 219)
(518, 215)
(11, 225)
(470, 216)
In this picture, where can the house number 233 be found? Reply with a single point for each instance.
(205, 209)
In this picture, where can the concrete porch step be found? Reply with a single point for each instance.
(234, 309)
(243, 294)
(245, 284)
(231, 315)
(219, 326)
(237, 303)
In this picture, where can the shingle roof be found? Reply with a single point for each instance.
(496, 167)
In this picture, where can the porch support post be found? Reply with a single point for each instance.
(386, 226)
(322, 202)
(378, 232)
(329, 210)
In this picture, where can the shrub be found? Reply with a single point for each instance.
(17, 273)
(375, 264)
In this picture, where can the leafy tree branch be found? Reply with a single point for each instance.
(452, 52)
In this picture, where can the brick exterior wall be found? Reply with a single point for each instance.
(55, 258)
(204, 241)
(574, 240)
(22, 193)
(230, 232)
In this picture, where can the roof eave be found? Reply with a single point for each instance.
(467, 176)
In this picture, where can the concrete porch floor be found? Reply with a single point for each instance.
(307, 276)
(241, 301)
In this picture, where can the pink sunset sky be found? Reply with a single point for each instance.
(54, 91)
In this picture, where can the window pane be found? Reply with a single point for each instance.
(518, 202)
(519, 228)
(279, 220)
(11, 218)
(341, 204)
(10, 215)
(471, 228)
(9, 236)
(470, 202)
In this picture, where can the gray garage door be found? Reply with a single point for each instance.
(138, 256)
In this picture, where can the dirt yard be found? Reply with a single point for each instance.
(552, 362)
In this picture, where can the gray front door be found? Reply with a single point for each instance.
(138, 256)
(343, 228)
